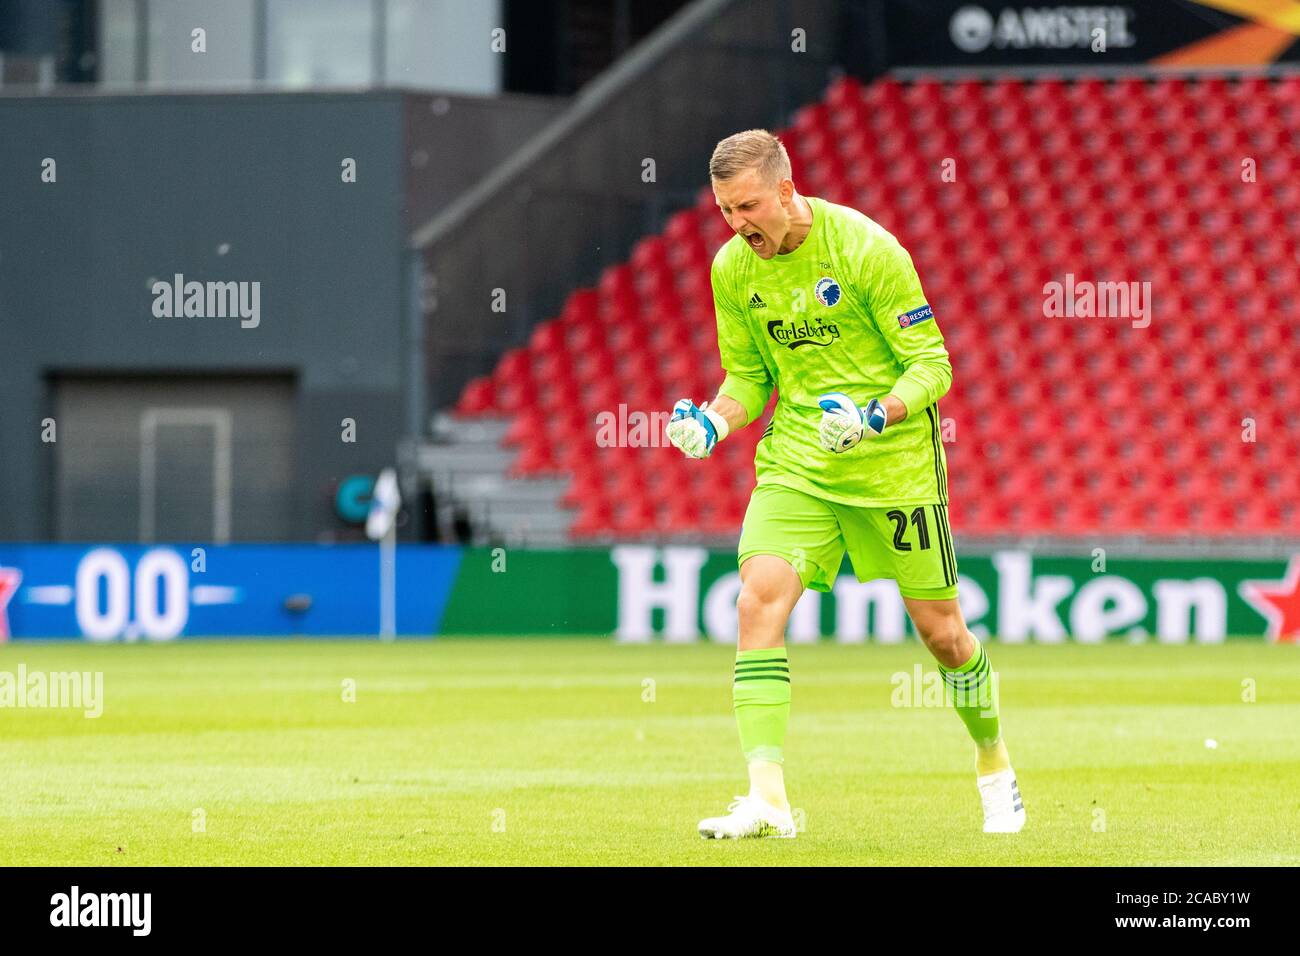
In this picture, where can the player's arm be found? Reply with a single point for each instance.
(902, 315)
(731, 410)
(895, 409)
(893, 295)
(744, 391)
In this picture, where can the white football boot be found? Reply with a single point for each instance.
(1004, 811)
(749, 817)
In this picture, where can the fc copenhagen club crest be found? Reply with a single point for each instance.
(827, 291)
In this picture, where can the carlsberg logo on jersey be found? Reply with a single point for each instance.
(689, 594)
(795, 334)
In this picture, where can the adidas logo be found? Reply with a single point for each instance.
(756, 302)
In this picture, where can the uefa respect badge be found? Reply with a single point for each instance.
(918, 315)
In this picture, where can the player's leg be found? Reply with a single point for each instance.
(790, 541)
(972, 685)
(769, 589)
(967, 674)
(913, 545)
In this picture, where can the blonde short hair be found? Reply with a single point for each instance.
(752, 149)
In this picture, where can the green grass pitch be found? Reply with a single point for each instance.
(547, 751)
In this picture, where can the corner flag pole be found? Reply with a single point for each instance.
(388, 584)
(381, 526)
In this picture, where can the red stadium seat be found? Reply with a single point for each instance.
(1069, 425)
(478, 397)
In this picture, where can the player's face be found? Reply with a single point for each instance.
(758, 210)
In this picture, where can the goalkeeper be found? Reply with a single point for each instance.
(819, 302)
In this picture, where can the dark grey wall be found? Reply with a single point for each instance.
(220, 464)
(242, 188)
(451, 141)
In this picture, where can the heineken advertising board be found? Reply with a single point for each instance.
(642, 593)
(633, 593)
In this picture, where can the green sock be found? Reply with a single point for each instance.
(761, 695)
(974, 695)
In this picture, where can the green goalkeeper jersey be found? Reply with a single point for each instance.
(844, 312)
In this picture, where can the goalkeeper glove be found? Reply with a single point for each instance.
(696, 429)
(843, 424)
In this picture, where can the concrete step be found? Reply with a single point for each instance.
(496, 487)
(525, 525)
(495, 510)
(488, 430)
(467, 468)
(459, 459)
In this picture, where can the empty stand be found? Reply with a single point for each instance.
(1067, 426)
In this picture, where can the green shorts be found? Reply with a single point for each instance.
(911, 544)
